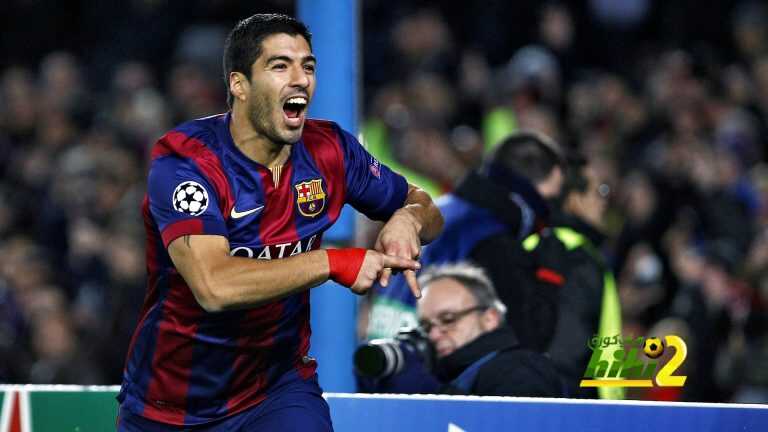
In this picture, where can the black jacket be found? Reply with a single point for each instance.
(514, 371)
(531, 303)
(485, 222)
(580, 305)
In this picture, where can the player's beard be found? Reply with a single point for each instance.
(266, 118)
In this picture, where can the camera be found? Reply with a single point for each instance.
(382, 358)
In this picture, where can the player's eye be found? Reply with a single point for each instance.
(310, 68)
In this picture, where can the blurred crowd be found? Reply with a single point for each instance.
(673, 122)
(76, 124)
(671, 110)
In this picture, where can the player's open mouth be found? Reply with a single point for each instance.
(294, 109)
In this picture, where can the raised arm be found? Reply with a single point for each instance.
(427, 217)
(222, 282)
(412, 219)
(418, 222)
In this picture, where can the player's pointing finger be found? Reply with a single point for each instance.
(400, 263)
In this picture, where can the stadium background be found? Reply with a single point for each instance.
(668, 98)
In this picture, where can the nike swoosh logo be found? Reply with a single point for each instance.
(237, 215)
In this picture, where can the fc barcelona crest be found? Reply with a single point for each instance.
(311, 197)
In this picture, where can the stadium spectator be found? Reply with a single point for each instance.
(488, 215)
(588, 301)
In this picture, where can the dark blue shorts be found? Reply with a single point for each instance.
(299, 409)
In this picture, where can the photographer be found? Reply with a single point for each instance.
(476, 354)
(486, 218)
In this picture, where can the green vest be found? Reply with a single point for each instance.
(497, 125)
(376, 142)
(610, 310)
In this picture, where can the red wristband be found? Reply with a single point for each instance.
(344, 264)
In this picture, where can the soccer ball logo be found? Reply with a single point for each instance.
(191, 198)
(653, 347)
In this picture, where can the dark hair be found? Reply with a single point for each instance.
(529, 154)
(471, 277)
(243, 45)
(575, 179)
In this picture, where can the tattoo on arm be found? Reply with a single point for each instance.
(186, 241)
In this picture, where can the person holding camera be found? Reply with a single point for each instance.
(487, 217)
(475, 353)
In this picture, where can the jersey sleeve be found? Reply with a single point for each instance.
(182, 201)
(372, 188)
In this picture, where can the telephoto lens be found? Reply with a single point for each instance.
(380, 358)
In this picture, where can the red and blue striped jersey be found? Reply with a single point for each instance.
(186, 366)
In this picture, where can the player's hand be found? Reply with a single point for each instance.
(400, 237)
(374, 264)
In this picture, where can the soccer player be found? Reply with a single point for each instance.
(235, 210)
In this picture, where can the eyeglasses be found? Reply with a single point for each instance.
(603, 190)
(447, 319)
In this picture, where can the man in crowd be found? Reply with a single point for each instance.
(235, 210)
(589, 303)
(476, 353)
(488, 215)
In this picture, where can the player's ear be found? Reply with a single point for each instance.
(239, 86)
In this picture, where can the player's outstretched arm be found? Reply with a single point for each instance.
(223, 282)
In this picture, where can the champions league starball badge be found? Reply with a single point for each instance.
(190, 197)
